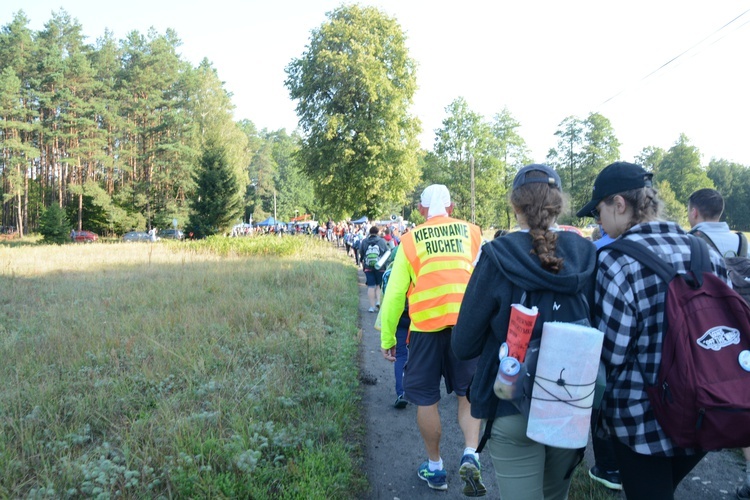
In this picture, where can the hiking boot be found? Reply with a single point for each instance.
(609, 478)
(743, 492)
(470, 472)
(435, 478)
(400, 403)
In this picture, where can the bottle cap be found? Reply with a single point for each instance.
(503, 352)
(510, 366)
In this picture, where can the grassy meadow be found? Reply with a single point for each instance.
(224, 368)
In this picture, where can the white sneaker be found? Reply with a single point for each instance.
(372, 310)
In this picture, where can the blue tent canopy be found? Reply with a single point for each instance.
(268, 222)
(360, 221)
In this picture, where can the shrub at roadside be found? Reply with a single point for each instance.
(54, 225)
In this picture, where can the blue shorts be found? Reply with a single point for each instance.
(374, 278)
(430, 359)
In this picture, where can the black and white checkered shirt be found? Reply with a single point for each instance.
(629, 309)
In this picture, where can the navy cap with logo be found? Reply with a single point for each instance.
(551, 176)
(616, 178)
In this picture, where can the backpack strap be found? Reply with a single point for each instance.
(645, 256)
(700, 259)
(700, 234)
(742, 248)
(487, 434)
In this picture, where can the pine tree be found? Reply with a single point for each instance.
(219, 194)
(54, 225)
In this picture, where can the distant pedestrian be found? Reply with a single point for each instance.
(370, 251)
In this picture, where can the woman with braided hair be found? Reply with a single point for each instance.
(537, 259)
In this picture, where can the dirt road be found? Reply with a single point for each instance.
(394, 448)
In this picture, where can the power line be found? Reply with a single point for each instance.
(680, 55)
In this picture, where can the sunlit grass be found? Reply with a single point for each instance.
(178, 369)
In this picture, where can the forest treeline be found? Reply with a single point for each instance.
(117, 133)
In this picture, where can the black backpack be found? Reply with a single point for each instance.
(552, 306)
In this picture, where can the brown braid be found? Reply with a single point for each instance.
(540, 204)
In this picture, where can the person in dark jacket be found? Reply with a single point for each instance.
(537, 258)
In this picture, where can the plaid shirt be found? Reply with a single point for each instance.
(629, 309)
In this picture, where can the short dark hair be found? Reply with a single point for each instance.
(708, 202)
(374, 230)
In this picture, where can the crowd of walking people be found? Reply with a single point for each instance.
(444, 299)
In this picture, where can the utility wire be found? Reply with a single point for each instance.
(678, 56)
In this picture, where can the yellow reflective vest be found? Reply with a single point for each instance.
(432, 269)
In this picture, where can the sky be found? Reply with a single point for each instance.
(655, 69)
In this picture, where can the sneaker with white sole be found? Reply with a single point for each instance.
(609, 478)
(470, 472)
(436, 479)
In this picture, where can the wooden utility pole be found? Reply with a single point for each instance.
(473, 198)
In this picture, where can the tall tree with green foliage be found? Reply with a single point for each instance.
(466, 143)
(584, 148)
(510, 149)
(17, 155)
(650, 158)
(18, 127)
(219, 195)
(600, 148)
(566, 158)
(295, 193)
(354, 86)
(463, 138)
(681, 167)
(732, 180)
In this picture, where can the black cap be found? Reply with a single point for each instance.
(552, 178)
(616, 178)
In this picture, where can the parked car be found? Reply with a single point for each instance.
(83, 236)
(171, 234)
(572, 229)
(136, 236)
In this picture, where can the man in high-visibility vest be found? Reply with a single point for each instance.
(432, 268)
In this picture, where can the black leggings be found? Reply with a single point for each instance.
(648, 477)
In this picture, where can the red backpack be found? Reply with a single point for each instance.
(701, 396)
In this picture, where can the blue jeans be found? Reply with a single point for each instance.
(402, 352)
